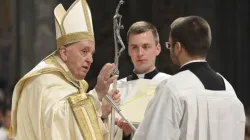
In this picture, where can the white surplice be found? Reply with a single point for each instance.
(135, 96)
(182, 109)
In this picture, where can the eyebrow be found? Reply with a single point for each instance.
(132, 45)
(146, 44)
(88, 48)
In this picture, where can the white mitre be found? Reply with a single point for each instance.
(73, 25)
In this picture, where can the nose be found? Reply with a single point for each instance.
(90, 58)
(140, 52)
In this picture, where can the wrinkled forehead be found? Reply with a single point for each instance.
(85, 44)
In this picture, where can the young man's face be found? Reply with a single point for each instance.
(143, 51)
(79, 57)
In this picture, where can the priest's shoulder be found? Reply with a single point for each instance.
(184, 79)
(227, 84)
(47, 79)
(163, 75)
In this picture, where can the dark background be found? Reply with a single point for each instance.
(27, 35)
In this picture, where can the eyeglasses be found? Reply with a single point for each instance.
(168, 44)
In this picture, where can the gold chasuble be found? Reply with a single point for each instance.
(49, 103)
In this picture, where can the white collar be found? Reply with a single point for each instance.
(141, 76)
(193, 61)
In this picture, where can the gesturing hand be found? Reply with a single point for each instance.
(104, 80)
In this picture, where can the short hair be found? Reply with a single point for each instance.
(57, 52)
(141, 27)
(194, 33)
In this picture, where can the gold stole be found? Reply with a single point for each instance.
(82, 106)
(85, 115)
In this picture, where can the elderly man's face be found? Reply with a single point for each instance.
(78, 57)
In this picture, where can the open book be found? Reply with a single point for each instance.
(135, 96)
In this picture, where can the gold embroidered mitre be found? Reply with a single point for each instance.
(73, 25)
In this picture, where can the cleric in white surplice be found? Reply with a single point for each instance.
(197, 103)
